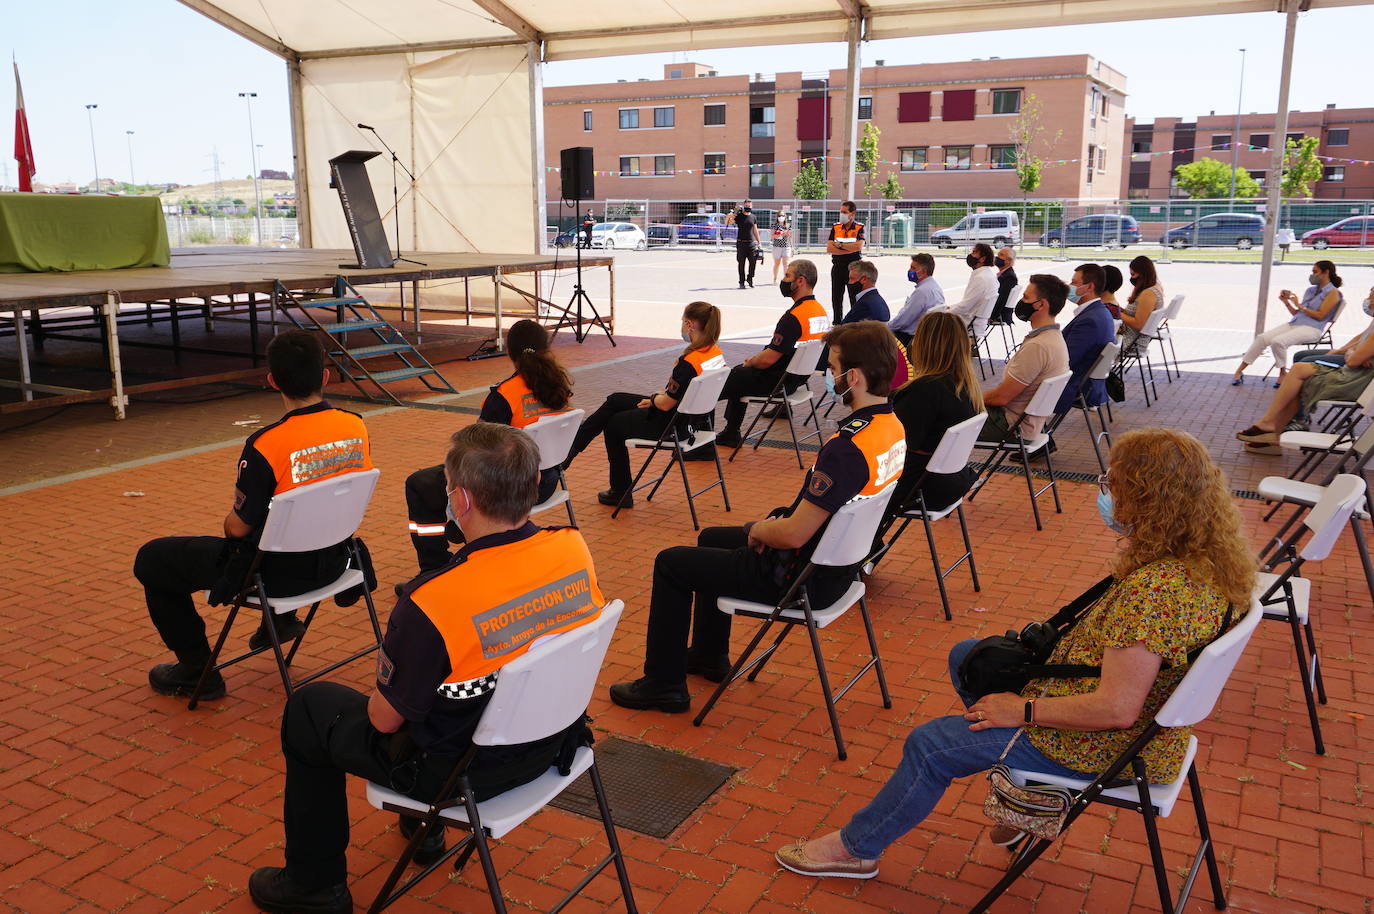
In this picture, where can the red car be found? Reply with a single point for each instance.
(1357, 230)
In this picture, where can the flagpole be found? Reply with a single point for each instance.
(90, 120)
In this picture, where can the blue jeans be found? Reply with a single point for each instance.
(934, 755)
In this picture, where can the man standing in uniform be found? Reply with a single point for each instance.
(587, 222)
(759, 560)
(312, 442)
(846, 245)
(446, 642)
(757, 375)
(746, 242)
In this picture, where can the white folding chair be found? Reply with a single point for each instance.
(1042, 404)
(1323, 341)
(979, 330)
(951, 455)
(847, 539)
(1317, 446)
(784, 403)
(304, 519)
(699, 399)
(539, 694)
(554, 434)
(1106, 359)
(1166, 333)
(1139, 354)
(1192, 701)
(1285, 597)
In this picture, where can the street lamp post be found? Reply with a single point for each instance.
(90, 122)
(253, 153)
(1235, 136)
(133, 181)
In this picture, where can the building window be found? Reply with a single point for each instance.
(913, 107)
(1104, 104)
(587, 121)
(663, 117)
(674, 74)
(866, 108)
(1338, 137)
(715, 115)
(761, 174)
(713, 163)
(1092, 160)
(914, 158)
(1259, 141)
(1140, 146)
(665, 165)
(1259, 177)
(1102, 158)
(1006, 101)
(958, 158)
(959, 105)
(1334, 173)
(629, 166)
(1221, 140)
(1295, 137)
(1002, 156)
(762, 120)
(629, 119)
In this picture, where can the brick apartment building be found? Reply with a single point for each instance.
(1345, 133)
(689, 135)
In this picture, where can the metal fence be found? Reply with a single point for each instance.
(1199, 226)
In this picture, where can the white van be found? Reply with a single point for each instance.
(999, 228)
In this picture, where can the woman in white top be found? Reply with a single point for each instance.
(980, 294)
(1146, 295)
(1309, 317)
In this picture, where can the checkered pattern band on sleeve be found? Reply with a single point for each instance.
(472, 688)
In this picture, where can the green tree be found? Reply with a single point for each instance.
(892, 189)
(1301, 167)
(1028, 136)
(810, 183)
(866, 158)
(1208, 178)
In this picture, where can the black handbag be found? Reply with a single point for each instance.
(1116, 386)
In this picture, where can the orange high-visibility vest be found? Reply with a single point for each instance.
(525, 408)
(813, 317)
(312, 446)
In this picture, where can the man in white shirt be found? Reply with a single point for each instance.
(981, 291)
(926, 295)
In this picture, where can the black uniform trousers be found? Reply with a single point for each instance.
(173, 568)
(746, 262)
(840, 287)
(744, 381)
(427, 505)
(720, 565)
(618, 419)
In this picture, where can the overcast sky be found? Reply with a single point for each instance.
(173, 77)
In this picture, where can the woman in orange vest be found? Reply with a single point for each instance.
(627, 415)
(539, 387)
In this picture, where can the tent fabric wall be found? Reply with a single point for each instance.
(458, 119)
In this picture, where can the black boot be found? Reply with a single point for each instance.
(180, 678)
(276, 893)
(288, 627)
(430, 849)
(646, 694)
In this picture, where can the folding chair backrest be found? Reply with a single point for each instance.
(1197, 692)
(1363, 447)
(554, 434)
(703, 392)
(848, 536)
(805, 358)
(1151, 328)
(1335, 312)
(1365, 400)
(956, 445)
(544, 690)
(1175, 306)
(1329, 516)
(318, 515)
(989, 303)
(1105, 360)
(1047, 395)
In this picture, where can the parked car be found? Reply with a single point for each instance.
(622, 235)
(566, 239)
(1109, 230)
(998, 228)
(1357, 230)
(660, 234)
(1242, 230)
(705, 227)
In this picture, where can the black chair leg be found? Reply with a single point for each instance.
(626, 890)
(1147, 812)
(210, 665)
(1364, 554)
(1054, 483)
(762, 660)
(1030, 487)
(720, 474)
(968, 548)
(877, 658)
(1021, 863)
(1205, 833)
(825, 681)
(734, 672)
(1307, 679)
(498, 903)
(686, 487)
(939, 572)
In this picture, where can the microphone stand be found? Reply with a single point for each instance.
(395, 194)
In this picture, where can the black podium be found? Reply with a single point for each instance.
(348, 175)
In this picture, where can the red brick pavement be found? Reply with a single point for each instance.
(117, 799)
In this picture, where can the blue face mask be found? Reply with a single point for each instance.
(1106, 507)
(830, 385)
(1073, 295)
(913, 276)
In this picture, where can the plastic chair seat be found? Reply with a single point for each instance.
(1316, 441)
(823, 616)
(1032, 445)
(502, 813)
(351, 577)
(942, 513)
(700, 439)
(557, 498)
(1302, 594)
(1293, 491)
(1163, 796)
(801, 395)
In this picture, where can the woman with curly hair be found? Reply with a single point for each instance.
(1181, 561)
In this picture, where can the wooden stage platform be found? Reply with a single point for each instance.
(221, 282)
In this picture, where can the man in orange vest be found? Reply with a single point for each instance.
(760, 560)
(446, 642)
(845, 246)
(312, 442)
(758, 374)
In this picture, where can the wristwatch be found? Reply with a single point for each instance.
(1030, 711)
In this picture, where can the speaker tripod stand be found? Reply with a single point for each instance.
(573, 314)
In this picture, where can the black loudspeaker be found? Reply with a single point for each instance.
(577, 173)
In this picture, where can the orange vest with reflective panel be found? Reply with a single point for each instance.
(705, 359)
(313, 446)
(525, 408)
(493, 604)
(813, 317)
(882, 441)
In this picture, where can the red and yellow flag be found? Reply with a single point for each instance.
(23, 147)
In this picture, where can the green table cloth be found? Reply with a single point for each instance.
(42, 233)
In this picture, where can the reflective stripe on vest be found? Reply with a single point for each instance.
(491, 606)
(882, 441)
(314, 446)
(847, 233)
(705, 359)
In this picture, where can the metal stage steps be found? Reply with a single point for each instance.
(354, 315)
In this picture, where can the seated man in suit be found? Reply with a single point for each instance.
(1091, 329)
(869, 304)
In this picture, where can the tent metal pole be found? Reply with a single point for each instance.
(1274, 180)
(299, 152)
(851, 106)
(533, 51)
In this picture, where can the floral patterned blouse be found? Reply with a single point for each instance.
(1164, 606)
